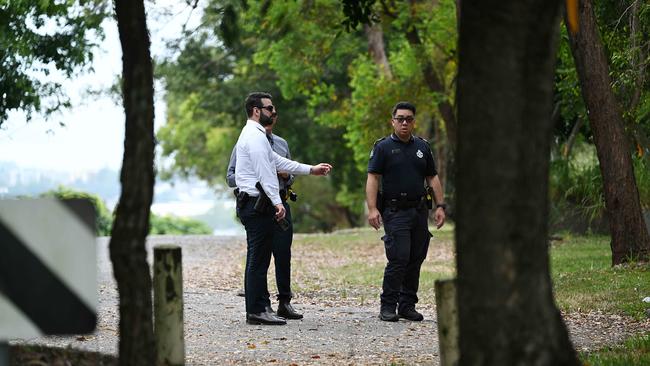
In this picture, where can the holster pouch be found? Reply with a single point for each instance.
(429, 198)
(263, 203)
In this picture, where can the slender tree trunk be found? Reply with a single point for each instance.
(375, 36)
(630, 239)
(131, 225)
(566, 152)
(507, 315)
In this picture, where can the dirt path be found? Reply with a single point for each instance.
(333, 332)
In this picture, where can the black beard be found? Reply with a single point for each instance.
(265, 120)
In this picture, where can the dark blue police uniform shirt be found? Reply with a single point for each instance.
(402, 165)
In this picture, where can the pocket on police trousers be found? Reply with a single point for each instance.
(388, 245)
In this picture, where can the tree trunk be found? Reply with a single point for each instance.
(507, 315)
(376, 48)
(131, 225)
(630, 239)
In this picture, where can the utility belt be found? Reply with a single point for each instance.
(263, 204)
(402, 202)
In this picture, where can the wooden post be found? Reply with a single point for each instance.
(168, 305)
(447, 309)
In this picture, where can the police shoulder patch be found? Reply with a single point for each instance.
(379, 140)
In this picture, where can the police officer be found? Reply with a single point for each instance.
(258, 165)
(402, 163)
(282, 237)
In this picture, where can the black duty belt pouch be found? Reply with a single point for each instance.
(263, 204)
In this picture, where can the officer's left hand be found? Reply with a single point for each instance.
(439, 217)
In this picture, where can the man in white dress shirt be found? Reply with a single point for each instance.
(258, 163)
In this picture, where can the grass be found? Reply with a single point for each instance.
(635, 351)
(584, 279)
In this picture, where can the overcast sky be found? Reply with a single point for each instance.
(93, 135)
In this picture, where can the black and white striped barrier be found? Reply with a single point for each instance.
(48, 268)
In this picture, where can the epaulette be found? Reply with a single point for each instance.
(379, 140)
(423, 139)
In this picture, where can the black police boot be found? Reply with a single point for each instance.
(285, 310)
(264, 318)
(387, 313)
(409, 313)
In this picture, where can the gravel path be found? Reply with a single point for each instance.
(331, 333)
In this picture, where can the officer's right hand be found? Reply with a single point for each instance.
(280, 212)
(374, 218)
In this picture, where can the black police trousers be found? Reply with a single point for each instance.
(260, 234)
(406, 242)
(281, 250)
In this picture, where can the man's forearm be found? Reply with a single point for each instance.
(438, 193)
(372, 188)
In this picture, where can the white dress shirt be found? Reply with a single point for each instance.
(257, 162)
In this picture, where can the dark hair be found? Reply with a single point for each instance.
(403, 105)
(253, 100)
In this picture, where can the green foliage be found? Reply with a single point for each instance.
(38, 37)
(575, 185)
(624, 27)
(104, 217)
(634, 352)
(159, 225)
(172, 225)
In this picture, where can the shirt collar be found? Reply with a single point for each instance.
(394, 137)
(255, 124)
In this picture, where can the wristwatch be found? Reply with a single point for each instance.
(443, 205)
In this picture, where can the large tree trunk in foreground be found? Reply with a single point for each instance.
(507, 315)
(630, 239)
(131, 225)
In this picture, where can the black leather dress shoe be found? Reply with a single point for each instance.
(264, 318)
(285, 310)
(269, 309)
(388, 315)
(411, 314)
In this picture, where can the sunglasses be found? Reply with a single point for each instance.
(269, 108)
(407, 119)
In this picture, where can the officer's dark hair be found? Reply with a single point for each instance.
(403, 105)
(253, 100)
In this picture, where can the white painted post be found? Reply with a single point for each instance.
(447, 309)
(168, 305)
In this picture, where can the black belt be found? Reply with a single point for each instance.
(404, 203)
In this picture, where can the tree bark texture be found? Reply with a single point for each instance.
(630, 239)
(376, 48)
(131, 225)
(507, 315)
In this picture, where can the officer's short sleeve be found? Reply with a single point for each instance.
(376, 162)
(431, 162)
